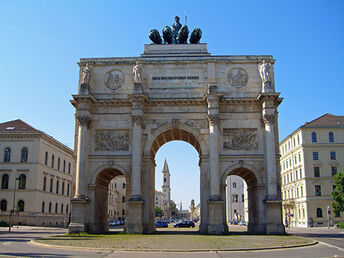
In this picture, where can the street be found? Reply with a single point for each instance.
(17, 243)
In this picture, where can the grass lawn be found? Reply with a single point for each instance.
(172, 239)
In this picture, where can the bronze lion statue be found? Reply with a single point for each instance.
(196, 35)
(183, 35)
(154, 36)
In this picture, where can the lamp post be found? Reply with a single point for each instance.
(13, 206)
(328, 216)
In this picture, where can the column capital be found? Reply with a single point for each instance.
(137, 120)
(84, 120)
(268, 119)
(214, 119)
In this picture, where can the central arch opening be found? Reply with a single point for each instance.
(176, 154)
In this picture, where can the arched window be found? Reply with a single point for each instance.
(43, 208)
(3, 205)
(314, 137)
(64, 166)
(63, 187)
(56, 207)
(4, 181)
(24, 154)
(58, 164)
(46, 158)
(123, 198)
(319, 213)
(57, 186)
(49, 207)
(22, 181)
(45, 183)
(7, 155)
(62, 208)
(51, 185)
(123, 185)
(67, 207)
(21, 205)
(330, 137)
(52, 161)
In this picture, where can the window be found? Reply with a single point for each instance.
(22, 181)
(330, 137)
(46, 158)
(333, 155)
(316, 172)
(301, 191)
(317, 190)
(64, 166)
(299, 157)
(57, 186)
(24, 154)
(123, 185)
(69, 168)
(63, 187)
(21, 205)
(45, 183)
(164, 179)
(3, 205)
(43, 208)
(242, 198)
(49, 207)
(4, 181)
(67, 208)
(58, 164)
(315, 156)
(52, 161)
(334, 170)
(68, 190)
(7, 155)
(234, 185)
(298, 139)
(62, 208)
(123, 212)
(51, 185)
(314, 137)
(56, 205)
(319, 213)
(123, 198)
(303, 213)
(300, 172)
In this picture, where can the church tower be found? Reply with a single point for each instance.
(166, 189)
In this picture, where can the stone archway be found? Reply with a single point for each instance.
(219, 104)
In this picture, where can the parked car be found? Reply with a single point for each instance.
(161, 224)
(112, 223)
(242, 223)
(185, 224)
(235, 222)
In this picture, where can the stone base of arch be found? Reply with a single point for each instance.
(79, 219)
(274, 223)
(134, 222)
(217, 225)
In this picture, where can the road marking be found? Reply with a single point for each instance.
(340, 239)
(333, 246)
(6, 243)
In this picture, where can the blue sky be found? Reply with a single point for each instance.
(41, 41)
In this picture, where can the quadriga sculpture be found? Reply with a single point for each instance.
(154, 36)
(196, 35)
(183, 35)
(167, 34)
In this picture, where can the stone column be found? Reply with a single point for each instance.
(80, 183)
(136, 157)
(270, 155)
(214, 156)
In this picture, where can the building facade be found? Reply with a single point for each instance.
(36, 176)
(235, 198)
(310, 157)
(117, 198)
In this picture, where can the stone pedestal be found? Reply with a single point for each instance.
(273, 213)
(134, 219)
(216, 225)
(79, 219)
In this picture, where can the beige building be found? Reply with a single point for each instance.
(159, 199)
(235, 198)
(310, 157)
(35, 174)
(117, 198)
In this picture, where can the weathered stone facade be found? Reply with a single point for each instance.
(218, 104)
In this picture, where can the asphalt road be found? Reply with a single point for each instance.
(17, 243)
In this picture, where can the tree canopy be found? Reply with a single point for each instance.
(338, 193)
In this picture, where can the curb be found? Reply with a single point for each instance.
(33, 242)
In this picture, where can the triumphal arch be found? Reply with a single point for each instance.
(224, 106)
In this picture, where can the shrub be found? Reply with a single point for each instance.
(3, 224)
(340, 224)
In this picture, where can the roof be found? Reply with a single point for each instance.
(17, 126)
(327, 120)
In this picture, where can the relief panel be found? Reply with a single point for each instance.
(112, 140)
(240, 139)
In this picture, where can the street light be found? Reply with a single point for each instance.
(13, 206)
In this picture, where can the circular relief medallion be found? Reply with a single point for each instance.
(114, 79)
(237, 77)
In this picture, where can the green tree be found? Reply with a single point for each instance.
(338, 192)
(158, 212)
